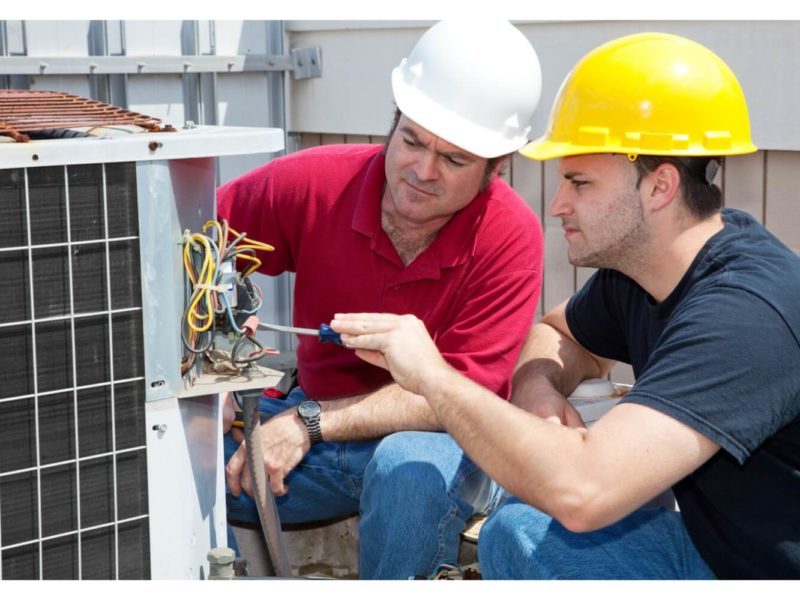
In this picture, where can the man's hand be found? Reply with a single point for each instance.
(400, 344)
(284, 442)
(538, 397)
(553, 409)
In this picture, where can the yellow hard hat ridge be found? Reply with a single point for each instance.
(648, 93)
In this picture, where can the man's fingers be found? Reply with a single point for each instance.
(276, 483)
(361, 323)
(373, 357)
(234, 468)
(573, 417)
(237, 435)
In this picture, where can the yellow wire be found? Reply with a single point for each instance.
(254, 244)
(206, 276)
(197, 320)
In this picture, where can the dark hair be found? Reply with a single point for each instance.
(491, 163)
(702, 197)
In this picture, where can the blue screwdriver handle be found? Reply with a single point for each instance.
(326, 334)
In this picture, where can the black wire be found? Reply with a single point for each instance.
(187, 344)
(243, 362)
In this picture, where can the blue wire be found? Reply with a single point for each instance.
(230, 314)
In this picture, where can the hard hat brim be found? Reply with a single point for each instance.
(542, 149)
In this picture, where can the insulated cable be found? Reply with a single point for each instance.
(210, 264)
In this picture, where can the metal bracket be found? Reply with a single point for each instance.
(303, 63)
(306, 62)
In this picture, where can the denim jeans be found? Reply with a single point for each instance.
(414, 491)
(520, 542)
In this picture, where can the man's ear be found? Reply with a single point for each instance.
(661, 186)
(499, 167)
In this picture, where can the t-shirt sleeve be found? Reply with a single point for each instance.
(726, 366)
(593, 315)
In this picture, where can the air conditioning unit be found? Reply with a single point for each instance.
(110, 460)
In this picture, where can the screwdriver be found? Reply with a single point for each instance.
(324, 333)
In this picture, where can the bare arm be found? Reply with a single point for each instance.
(285, 438)
(585, 479)
(550, 366)
(379, 413)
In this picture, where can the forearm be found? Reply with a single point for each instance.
(584, 478)
(376, 414)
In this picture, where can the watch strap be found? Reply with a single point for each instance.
(314, 431)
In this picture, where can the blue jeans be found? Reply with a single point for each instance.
(519, 542)
(414, 491)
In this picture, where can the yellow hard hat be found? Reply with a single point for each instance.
(648, 93)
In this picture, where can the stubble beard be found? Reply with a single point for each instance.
(623, 247)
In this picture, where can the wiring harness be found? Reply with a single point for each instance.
(220, 298)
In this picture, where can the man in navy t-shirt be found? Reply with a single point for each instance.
(703, 302)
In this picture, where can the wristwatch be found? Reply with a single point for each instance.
(309, 411)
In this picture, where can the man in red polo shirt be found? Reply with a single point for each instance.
(423, 226)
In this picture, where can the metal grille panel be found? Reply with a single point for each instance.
(73, 469)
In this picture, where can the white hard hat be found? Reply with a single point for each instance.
(474, 84)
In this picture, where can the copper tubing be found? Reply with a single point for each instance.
(27, 111)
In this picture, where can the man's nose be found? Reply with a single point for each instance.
(560, 204)
(426, 167)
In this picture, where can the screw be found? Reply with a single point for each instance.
(153, 146)
(160, 428)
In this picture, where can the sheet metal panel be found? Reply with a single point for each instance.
(57, 38)
(241, 37)
(72, 84)
(155, 37)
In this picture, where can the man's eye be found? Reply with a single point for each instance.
(454, 162)
(578, 183)
(410, 142)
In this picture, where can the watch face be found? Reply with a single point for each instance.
(308, 409)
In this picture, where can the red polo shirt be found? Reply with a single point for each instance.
(475, 287)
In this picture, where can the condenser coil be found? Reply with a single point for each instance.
(40, 112)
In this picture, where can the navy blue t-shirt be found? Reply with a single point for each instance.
(721, 354)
